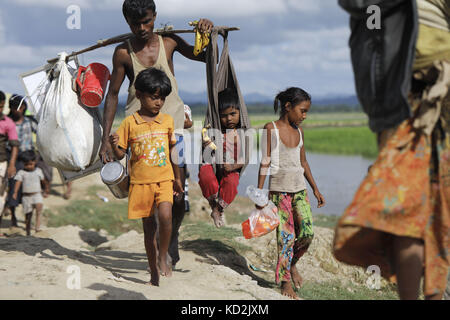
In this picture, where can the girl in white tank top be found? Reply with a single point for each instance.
(284, 157)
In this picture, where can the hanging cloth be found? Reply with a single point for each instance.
(221, 75)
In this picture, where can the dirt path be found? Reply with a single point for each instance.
(71, 263)
(46, 265)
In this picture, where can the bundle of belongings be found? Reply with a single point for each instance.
(69, 131)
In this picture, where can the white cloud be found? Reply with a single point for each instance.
(229, 8)
(180, 8)
(313, 59)
(55, 3)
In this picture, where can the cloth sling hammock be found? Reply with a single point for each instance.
(220, 76)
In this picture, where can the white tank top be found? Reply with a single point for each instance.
(286, 171)
(173, 105)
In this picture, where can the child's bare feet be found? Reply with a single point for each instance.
(217, 217)
(297, 280)
(286, 290)
(154, 277)
(165, 267)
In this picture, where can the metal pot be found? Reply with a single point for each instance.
(116, 177)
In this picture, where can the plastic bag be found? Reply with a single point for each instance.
(68, 134)
(261, 222)
(258, 196)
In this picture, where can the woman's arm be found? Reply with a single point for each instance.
(308, 174)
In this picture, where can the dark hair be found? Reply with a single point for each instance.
(2, 96)
(28, 156)
(137, 9)
(15, 101)
(151, 80)
(293, 95)
(228, 98)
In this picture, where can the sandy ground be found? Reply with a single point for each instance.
(71, 263)
(59, 263)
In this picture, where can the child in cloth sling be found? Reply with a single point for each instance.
(221, 192)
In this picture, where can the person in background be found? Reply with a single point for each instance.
(8, 136)
(187, 125)
(29, 179)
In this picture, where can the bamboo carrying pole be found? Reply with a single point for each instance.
(124, 37)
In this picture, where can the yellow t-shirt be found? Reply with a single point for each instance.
(149, 143)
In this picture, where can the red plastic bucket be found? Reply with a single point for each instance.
(92, 81)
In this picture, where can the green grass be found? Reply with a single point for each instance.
(342, 140)
(334, 290)
(318, 119)
(325, 221)
(313, 119)
(94, 214)
(207, 231)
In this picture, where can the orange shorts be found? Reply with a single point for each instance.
(142, 197)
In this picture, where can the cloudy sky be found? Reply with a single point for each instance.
(281, 43)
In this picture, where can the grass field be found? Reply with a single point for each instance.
(341, 140)
(318, 119)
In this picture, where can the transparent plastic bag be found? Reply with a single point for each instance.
(258, 196)
(261, 222)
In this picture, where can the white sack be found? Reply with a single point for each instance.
(68, 133)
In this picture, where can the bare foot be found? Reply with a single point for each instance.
(286, 290)
(154, 277)
(296, 278)
(164, 267)
(217, 217)
(68, 191)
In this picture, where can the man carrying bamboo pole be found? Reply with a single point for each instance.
(147, 49)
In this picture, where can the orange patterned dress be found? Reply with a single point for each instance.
(405, 193)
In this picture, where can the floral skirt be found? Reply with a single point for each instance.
(405, 193)
(295, 231)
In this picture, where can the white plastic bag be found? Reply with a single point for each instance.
(68, 134)
(258, 196)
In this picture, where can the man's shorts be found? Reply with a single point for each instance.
(180, 146)
(28, 202)
(142, 198)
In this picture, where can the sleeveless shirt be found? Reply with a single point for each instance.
(173, 105)
(286, 171)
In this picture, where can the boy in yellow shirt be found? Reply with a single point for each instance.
(154, 179)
